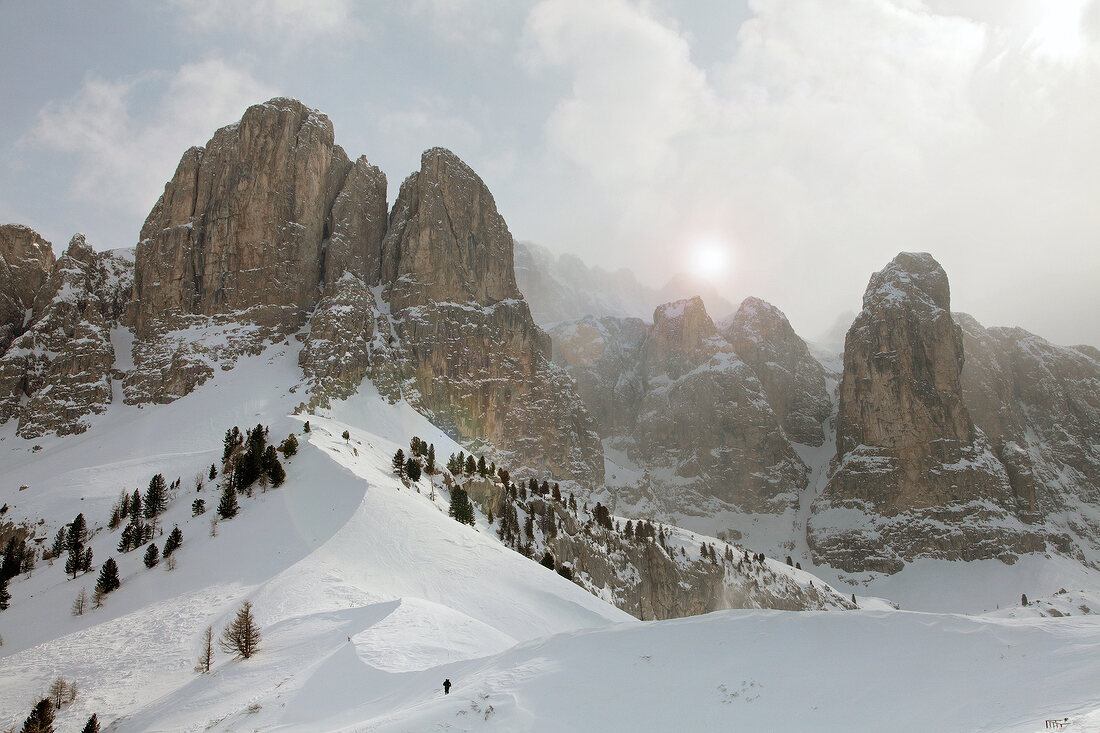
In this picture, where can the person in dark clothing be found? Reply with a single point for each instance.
(446, 687)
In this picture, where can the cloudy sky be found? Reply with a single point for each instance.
(803, 142)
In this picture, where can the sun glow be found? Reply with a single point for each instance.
(1058, 34)
(710, 258)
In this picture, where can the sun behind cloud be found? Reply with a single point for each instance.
(711, 257)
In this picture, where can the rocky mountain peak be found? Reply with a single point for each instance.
(26, 260)
(678, 339)
(906, 447)
(910, 277)
(793, 380)
(447, 242)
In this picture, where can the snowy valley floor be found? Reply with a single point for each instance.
(369, 595)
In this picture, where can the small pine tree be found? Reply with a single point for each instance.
(429, 464)
(789, 561)
(461, 510)
(628, 530)
(213, 474)
(198, 506)
(289, 446)
(471, 465)
(399, 463)
(1023, 599)
(346, 436)
(412, 469)
(242, 636)
(228, 507)
(92, 726)
(305, 428)
(80, 602)
(156, 497)
(5, 596)
(41, 718)
(274, 470)
(547, 560)
(108, 577)
(482, 469)
(175, 539)
(86, 561)
(152, 556)
(59, 542)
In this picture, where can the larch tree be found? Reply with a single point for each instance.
(242, 636)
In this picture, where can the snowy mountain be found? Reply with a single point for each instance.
(631, 472)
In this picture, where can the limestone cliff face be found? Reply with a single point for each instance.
(1039, 405)
(447, 242)
(473, 358)
(908, 455)
(242, 221)
(59, 371)
(793, 380)
(690, 416)
(26, 260)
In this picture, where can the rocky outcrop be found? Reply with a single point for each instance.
(691, 417)
(911, 467)
(1039, 406)
(793, 381)
(242, 221)
(236, 245)
(474, 360)
(59, 371)
(26, 260)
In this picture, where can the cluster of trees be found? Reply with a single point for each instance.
(247, 460)
(463, 464)
(420, 460)
(137, 532)
(18, 558)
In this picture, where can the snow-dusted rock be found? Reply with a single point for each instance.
(914, 478)
(26, 260)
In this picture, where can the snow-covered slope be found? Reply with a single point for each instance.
(341, 550)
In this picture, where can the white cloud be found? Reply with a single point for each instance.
(287, 20)
(125, 158)
(836, 134)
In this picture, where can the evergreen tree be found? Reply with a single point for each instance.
(482, 469)
(346, 436)
(86, 561)
(41, 718)
(152, 555)
(213, 472)
(471, 465)
(92, 726)
(273, 469)
(1023, 599)
(108, 577)
(232, 440)
(13, 558)
(461, 509)
(399, 463)
(429, 464)
(228, 507)
(242, 636)
(77, 534)
(412, 469)
(198, 506)
(59, 542)
(289, 447)
(175, 539)
(547, 560)
(602, 516)
(628, 530)
(135, 504)
(74, 562)
(557, 492)
(126, 542)
(5, 596)
(305, 428)
(156, 497)
(533, 487)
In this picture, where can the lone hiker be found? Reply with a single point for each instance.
(446, 687)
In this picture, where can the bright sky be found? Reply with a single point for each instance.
(786, 148)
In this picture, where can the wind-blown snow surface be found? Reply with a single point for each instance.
(369, 596)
